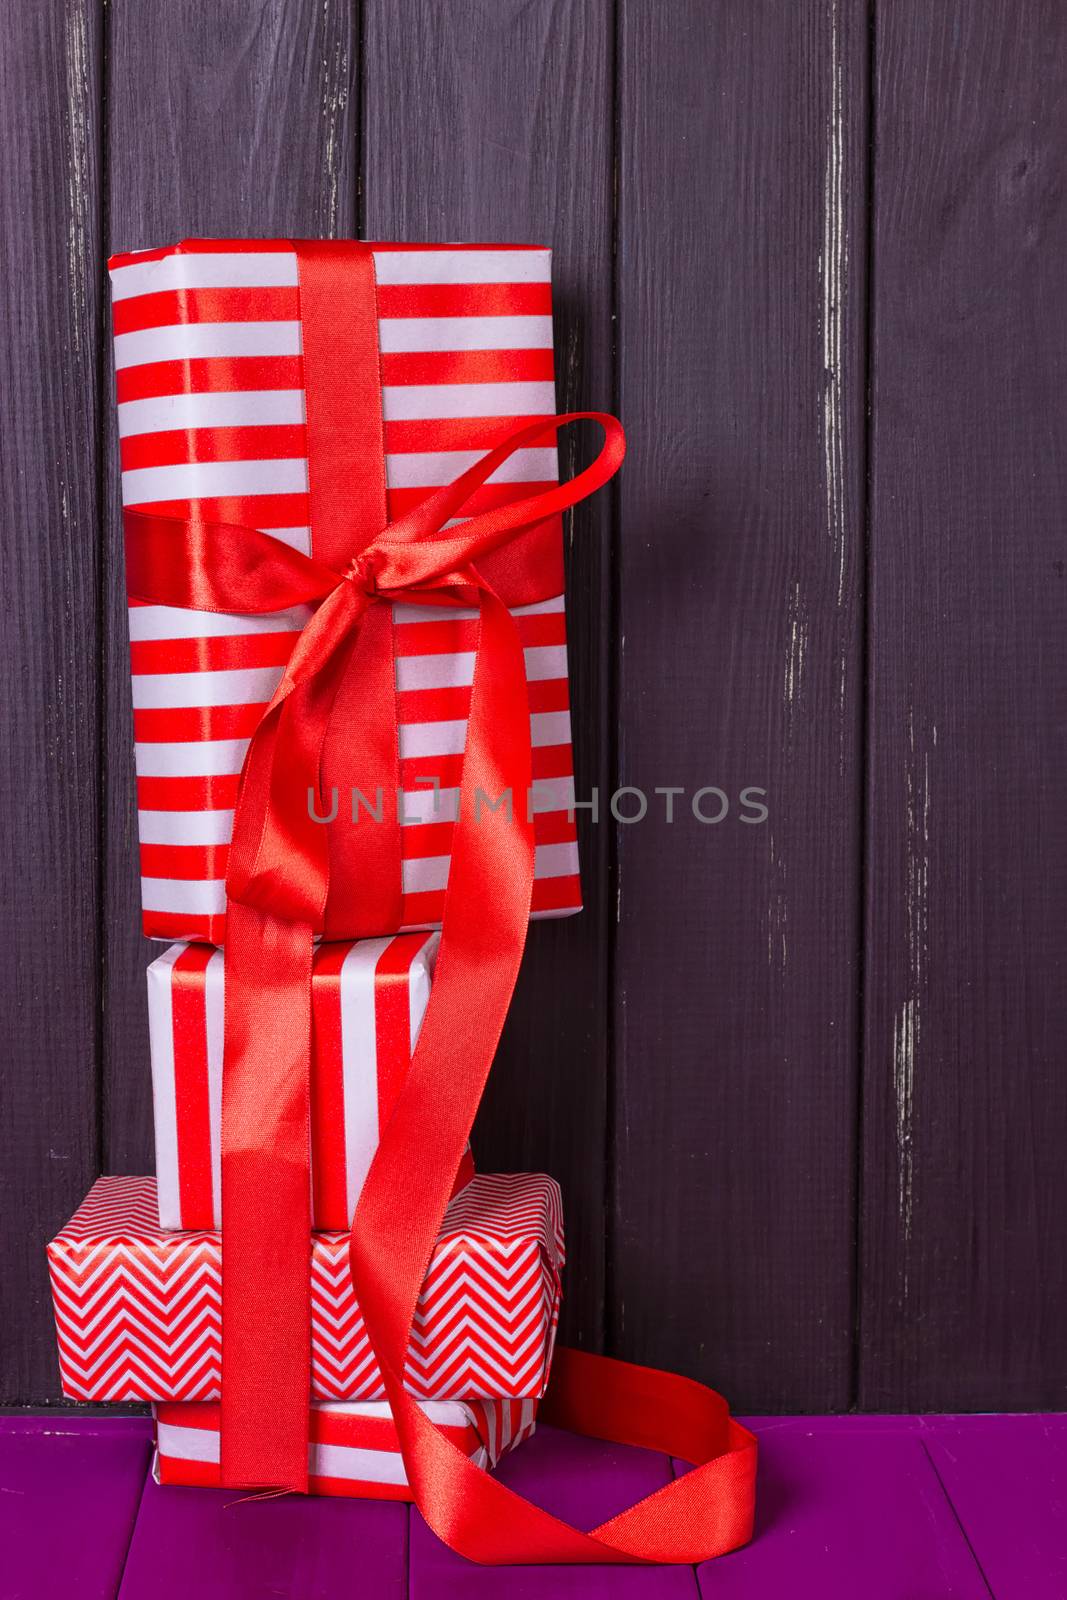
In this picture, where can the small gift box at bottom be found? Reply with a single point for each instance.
(353, 1449)
(139, 1310)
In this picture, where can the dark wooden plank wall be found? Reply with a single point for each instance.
(799, 1078)
(965, 1184)
(741, 298)
(50, 408)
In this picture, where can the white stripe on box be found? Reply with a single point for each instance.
(430, 873)
(425, 875)
(548, 728)
(419, 806)
(221, 269)
(214, 1018)
(193, 341)
(545, 662)
(359, 1062)
(456, 669)
(419, 981)
(202, 480)
(236, 686)
(173, 622)
(431, 402)
(446, 1413)
(184, 827)
(164, 1102)
(419, 739)
(356, 1465)
(249, 408)
(410, 335)
(423, 739)
(296, 538)
(187, 1444)
(427, 805)
(277, 269)
(556, 860)
(530, 265)
(452, 671)
(186, 897)
(190, 758)
(551, 794)
(429, 469)
(403, 612)
(350, 1463)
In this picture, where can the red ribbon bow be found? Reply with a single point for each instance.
(278, 898)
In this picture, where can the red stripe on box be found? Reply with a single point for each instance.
(191, 1094)
(357, 1488)
(433, 705)
(557, 894)
(554, 827)
(447, 635)
(212, 654)
(449, 433)
(179, 925)
(487, 498)
(187, 794)
(466, 366)
(392, 1020)
(176, 724)
(549, 894)
(548, 694)
(174, 446)
(329, 1163)
(464, 299)
(208, 375)
(452, 705)
(165, 308)
(252, 510)
(189, 1414)
(552, 761)
(175, 1470)
(424, 840)
(188, 863)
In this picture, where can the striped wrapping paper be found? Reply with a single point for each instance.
(368, 998)
(211, 418)
(353, 1450)
(139, 1311)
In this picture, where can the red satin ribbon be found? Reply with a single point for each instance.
(277, 897)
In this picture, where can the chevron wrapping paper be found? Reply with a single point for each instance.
(138, 1310)
(368, 999)
(212, 420)
(353, 1450)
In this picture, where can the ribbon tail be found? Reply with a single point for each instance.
(266, 1201)
(487, 907)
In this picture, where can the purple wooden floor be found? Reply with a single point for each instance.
(887, 1508)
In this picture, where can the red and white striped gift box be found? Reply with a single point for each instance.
(368, 998)
(139, 1311)
(353, 1449)
(211, 414)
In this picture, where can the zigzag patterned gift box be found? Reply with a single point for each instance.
(368, 999)
(353, 1450)
(139, 1311)
(212, 419)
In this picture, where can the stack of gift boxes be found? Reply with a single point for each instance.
(212, 424)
